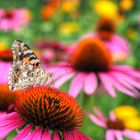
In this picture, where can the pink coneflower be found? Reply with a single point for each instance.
(7, 98)
(91, 65)
(6, 59)
(106, 31)
(51, 51)
(14, 18)
(44, 113)
(115, 129)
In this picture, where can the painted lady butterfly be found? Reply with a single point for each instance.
(26, 70)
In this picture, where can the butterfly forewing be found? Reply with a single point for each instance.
(26, 70)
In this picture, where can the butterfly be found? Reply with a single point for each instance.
(26, 70)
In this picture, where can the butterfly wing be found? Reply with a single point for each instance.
(26, 70)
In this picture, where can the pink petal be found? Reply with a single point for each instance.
(67, 136)
(35, 134)
(107, 84)
(76, 84)
(97, 121)
(80, 136)
(135, 135)
(110, 135)
(9, 122)
(128, 70)
(63, 79)
(126, 81)
(90, 83)
(112, 116)
(122, 88)
(56, 136)
(119, 135)
(74, 135)
(23, 133)
(99, 114)
(46, 135)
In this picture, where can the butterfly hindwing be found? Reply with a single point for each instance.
(26, 70)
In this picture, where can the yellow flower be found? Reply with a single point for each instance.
(3, 45)
(126, 5)
(133, 123)
(68, 28)
(106, 8)
(125, 112)
(70, 6)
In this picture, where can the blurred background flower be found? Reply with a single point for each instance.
(14, 19)
(115, 129)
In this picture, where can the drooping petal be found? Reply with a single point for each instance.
(127, 69)
(107, 84)
(23, 133)
(80, 136)
(46, 135)
(9, 122)
(122, 88)
(99, 114)
(112, 116)
(90, 83)
(56, 135)
(97, 121)
(128, 79)
(135, 135)
(74, 135)
(110, 135)
(67, 136)
(76, 84)
(35, 134)
(119, 135)
(63, 79)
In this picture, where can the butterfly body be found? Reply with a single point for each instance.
(26, 70)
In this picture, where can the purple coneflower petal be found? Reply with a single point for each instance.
(119, 135)
(99, 114)
(67, 136)
(112, 116)
(110, 135)
(35, 134)
(46, 135)
(23, 133)
(77, 84)
(132, 134)
(107, 84)
(79, 136)
(125, 81)
(90, 83)
(121, 87)
(9, 122)
(97, 121)
(63, 79)
(56, 135)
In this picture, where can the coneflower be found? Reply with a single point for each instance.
(7, 98)
(6, 59)
(44, 113)
(91, 65)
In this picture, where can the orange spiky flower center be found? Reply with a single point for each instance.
(7, 98)
(49, 108)
(115, 124)
(106, 28)
(6, 55)
(91, 55)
